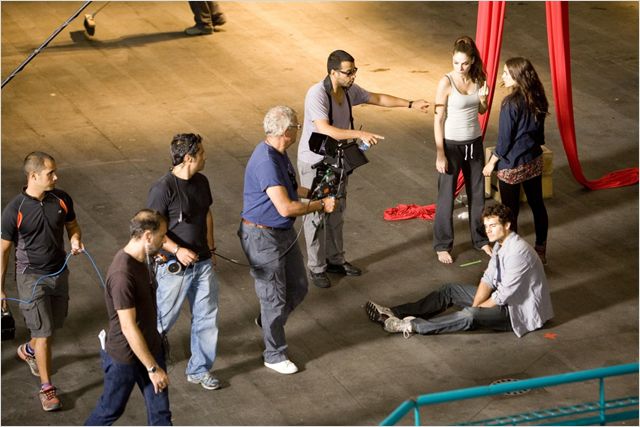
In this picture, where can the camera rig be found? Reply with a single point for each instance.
(340, 159)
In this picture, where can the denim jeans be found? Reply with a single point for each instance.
(280, 282)
(496, 318)
(199, 285)
(119, 379)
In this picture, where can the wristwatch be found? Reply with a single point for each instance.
(152, 370)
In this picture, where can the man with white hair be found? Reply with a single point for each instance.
(270, 205)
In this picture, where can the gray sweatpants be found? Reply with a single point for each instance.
(322, 232)
(280, 282)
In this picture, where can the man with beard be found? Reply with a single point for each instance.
(133, 353)
(327, 110)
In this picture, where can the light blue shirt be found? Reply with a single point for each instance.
(517, 278)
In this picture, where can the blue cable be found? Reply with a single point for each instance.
(66, 261)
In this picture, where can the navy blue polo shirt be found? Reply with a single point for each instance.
(36, 228)
(520, 135)
(266, 168)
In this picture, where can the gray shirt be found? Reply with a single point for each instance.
(517, 278)
(316, 107)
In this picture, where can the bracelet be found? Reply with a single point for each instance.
(322, 205)
(410, 104)
(176, 251)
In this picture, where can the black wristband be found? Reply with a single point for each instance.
(410, 104)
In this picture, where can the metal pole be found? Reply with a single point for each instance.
(44, 45)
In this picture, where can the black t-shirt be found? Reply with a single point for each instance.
(186, 204)
(36, 228)
(130, 285)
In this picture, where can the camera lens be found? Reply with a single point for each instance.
(174, 267)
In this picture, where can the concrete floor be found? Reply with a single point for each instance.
(106, 109)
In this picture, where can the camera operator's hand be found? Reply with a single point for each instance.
(330, 203)
(369, 138)
(186, 256)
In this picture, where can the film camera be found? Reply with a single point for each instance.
(340, 159)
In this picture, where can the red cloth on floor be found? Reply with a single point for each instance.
(401, 212)
(560, 62)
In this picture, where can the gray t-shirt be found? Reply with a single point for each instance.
(316, 107)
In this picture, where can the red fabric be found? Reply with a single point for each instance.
(488, 40)
(401, 212)
(560, 62)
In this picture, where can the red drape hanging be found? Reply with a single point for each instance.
(560, 62)
(488, 40)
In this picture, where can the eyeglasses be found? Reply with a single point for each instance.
(298, 126)
(349, 73)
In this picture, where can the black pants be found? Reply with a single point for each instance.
(510, 195)
(469, 159)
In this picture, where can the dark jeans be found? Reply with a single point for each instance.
(469, 159)
(496, 318)
(280, 282)
(119, 379)
(510, 196)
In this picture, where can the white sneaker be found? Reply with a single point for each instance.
(395, 325)
(285, 367)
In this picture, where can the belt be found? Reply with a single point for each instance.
(253, 224)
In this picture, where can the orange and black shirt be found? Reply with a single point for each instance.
(36, 228)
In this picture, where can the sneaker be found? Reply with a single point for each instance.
(206, 380)
(395, 325)
(49, 399)
(198, 31)
(346, 269)
(378, 313)
(321, 280)
(29, 359)
(285, 367)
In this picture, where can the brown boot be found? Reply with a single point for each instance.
(541, 250)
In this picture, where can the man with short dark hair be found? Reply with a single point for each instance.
(512, 294)
(327, 110)
(35, 221)
(183, 196)
(270, 206)
(133, 353)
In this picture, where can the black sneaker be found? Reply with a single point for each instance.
(321, 280)
(345, 269)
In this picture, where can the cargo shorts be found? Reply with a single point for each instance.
(45, 305)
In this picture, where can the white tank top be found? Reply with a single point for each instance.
(461, 121)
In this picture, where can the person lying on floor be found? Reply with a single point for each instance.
(512, 295)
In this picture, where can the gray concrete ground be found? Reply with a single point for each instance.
(107, 108)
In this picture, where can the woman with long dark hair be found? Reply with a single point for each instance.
(518, 154)
(461, 95)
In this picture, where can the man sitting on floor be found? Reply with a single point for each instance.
(512, 295)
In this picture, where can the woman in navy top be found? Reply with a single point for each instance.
(518, 154)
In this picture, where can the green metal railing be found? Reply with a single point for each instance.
(603, 408)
